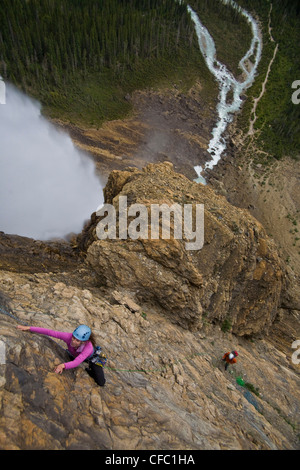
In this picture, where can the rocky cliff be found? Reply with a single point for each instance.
(165, 316)
(236, 277)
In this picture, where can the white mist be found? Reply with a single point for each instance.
(48, 187)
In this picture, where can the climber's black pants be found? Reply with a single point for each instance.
(97, 373)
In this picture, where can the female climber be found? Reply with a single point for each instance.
(81, 347)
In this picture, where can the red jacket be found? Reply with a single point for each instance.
(226, 358)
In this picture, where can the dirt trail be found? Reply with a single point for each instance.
(263, 89)
(256, 100)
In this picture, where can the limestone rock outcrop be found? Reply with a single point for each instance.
(235, 279)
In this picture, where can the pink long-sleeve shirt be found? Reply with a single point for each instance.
(84, 351)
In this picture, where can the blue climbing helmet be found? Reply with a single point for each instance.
(82, 332)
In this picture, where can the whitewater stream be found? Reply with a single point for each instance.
(230, 89)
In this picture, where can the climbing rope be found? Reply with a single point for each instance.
(161, 369)
(5, 312)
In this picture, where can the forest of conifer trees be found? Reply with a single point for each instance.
(278, 117)
(79, 58)
(57, 38)
(50, 47)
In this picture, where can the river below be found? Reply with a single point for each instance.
(230, 89)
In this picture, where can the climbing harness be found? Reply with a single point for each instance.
(99, 357)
